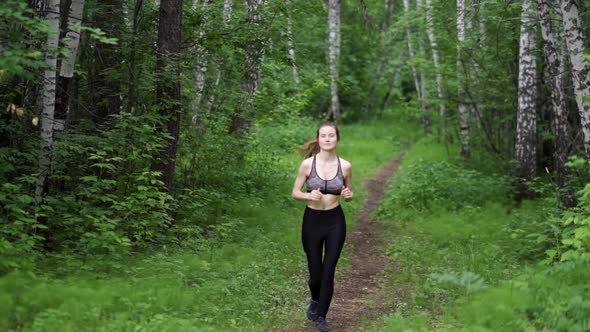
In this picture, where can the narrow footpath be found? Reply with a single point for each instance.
(357, 295)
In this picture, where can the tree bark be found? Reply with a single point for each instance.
(242, 117)
(333, 57)
(560, 129)
(203, 60)
(423, 90)
(526, 119)
(66, 71)
(227, 12)
(575, 46)
(47, 115)
(168, 85)
(463, 111)
(437, 68)
(290, 46)
(393, 82)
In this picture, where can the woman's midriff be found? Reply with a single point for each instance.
(327, 202)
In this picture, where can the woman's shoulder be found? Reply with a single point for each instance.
(306, 163)
(345, 163)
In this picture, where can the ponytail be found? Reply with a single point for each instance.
(310, 148)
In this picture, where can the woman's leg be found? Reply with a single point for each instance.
(334, 242)
(312, 239)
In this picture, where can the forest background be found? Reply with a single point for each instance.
(148, 149)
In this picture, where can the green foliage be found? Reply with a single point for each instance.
(20, 31)
(425, 184)
(576, 230)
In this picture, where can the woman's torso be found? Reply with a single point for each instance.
(329, 178)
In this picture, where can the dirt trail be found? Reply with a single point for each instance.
(356, 293)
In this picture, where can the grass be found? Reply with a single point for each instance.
(250, 278)
(472, 265)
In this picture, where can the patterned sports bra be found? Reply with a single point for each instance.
(332, 186)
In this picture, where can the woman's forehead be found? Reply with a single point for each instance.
(327, 130)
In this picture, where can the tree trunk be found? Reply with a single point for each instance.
(242, 116)
(227, 12)
(168, 84)
(290, 46)
(47, 115)
(203, 59)
(333, 56)
(423, 91)
(552, 57)
(66, 73)
(437, 68)
(107, 86)
(463, 112)
(132, 89)
(575, 46)
(393, 82)
(526, 119)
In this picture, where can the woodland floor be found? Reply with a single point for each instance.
(357, 294)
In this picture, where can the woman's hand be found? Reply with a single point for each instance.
(315, 195)
(346, 193)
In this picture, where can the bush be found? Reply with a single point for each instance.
(424, 184)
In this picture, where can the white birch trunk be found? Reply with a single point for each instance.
(463, 112)
(575, 45)
(437, 68)
(423, 90)
(526, 119)
(203, 59)
(333, 55)
(73, 35)
(394, 81)
(412, 53)
(290, 46)
(552, 56)
(47, 115)
(227, 12)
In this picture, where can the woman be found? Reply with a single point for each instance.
(327, 177)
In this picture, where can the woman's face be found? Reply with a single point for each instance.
(327, 138)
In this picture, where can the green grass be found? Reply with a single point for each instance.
(249, 277)
(467, 264)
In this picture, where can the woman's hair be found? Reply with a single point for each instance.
(312, 146)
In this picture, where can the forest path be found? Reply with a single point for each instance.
(357, 293)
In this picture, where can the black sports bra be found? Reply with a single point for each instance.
(332, 186)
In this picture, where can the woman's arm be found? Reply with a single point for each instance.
(296, 193)
(347, 189)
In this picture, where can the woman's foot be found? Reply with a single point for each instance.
(312, 310)
(321, 324)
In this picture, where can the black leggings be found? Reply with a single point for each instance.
(323, 228)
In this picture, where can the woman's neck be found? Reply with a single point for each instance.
(325, 155)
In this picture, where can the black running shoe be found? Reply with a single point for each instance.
(312, 310)
(321, 324)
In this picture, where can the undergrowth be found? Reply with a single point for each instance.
(470, 259)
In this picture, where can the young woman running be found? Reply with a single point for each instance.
(326, 178)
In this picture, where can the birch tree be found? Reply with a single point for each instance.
(575, 46)
(333, 56)
(227, 13)
(526, 119)
(66, 71)
(551, 51)
(47, 114)
(437, 68)
(290, 46)
(463, 111)
(423, 89)
(202, 62)
(394, 80)
(168, 84)
(250, 76)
